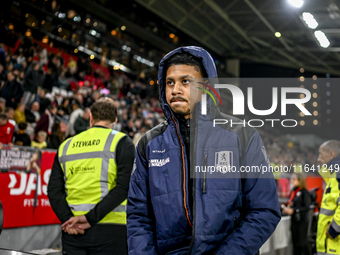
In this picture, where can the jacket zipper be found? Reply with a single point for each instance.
(193, 157)
(204, 184)
(183, 174)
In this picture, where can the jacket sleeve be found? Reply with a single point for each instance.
(261, 210)
(140, 217)
(56, 192)
(334, 228)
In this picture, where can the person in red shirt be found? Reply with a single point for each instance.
(6, 131)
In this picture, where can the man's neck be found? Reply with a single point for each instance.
(102, 123)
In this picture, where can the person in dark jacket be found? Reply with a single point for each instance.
(82, 123)
(12, 91)
(299, 208)
(31, 84)
(168, 211)
(20, 138)
(47, 119)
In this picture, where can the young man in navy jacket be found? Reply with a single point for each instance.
(169, 212)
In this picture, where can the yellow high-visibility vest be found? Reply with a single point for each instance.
(90, 171)
(329, 214)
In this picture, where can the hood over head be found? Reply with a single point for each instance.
(202, 54)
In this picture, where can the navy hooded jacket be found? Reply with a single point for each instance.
(233, 213)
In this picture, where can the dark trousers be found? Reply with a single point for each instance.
(101, 239)
(299, 237)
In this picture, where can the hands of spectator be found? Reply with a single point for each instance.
(288, 210)
(10, 145)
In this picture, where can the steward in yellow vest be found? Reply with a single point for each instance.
(89, 184)
(328, 233)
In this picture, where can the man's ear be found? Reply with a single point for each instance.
(114, 123)
(91, 120)
(332, 153)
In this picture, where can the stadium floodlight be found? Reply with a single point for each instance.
(296, 3)
(310, 20)
(322, 38)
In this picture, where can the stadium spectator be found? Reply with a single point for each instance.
(33, 114)
(20, 59)
(40, 142)
(32, 82)
(2, 55)
(6, 131)
(11, 90)
(130, 129)
(47, 120)
(65, 106)
(44, 99)
(58, 133)
(19, 114)
(2, 105)
(43, 57)
(76, 112)
(49, 80)
(10, 114)
(298, 208)
(82, 123)
(3, 74)
(20, 138)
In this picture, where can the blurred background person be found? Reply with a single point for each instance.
(47, 119)
(32, 82)
(6, 130)
(58, 133)
(298, 208)
(40, 142)
(20, 138)
(2, 105)
(11, 90)
(76, 112)
(82, 123)
(19, 114)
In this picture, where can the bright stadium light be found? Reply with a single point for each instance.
(310, 20)
(322, 38)
(296, 3)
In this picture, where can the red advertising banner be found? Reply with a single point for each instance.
(23, 193)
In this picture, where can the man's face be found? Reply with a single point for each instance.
(324, 155)
(179, 78)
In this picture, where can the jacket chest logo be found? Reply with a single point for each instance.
(158, 162)
(223, 159)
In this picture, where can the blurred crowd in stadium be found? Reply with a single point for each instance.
(46, 95)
